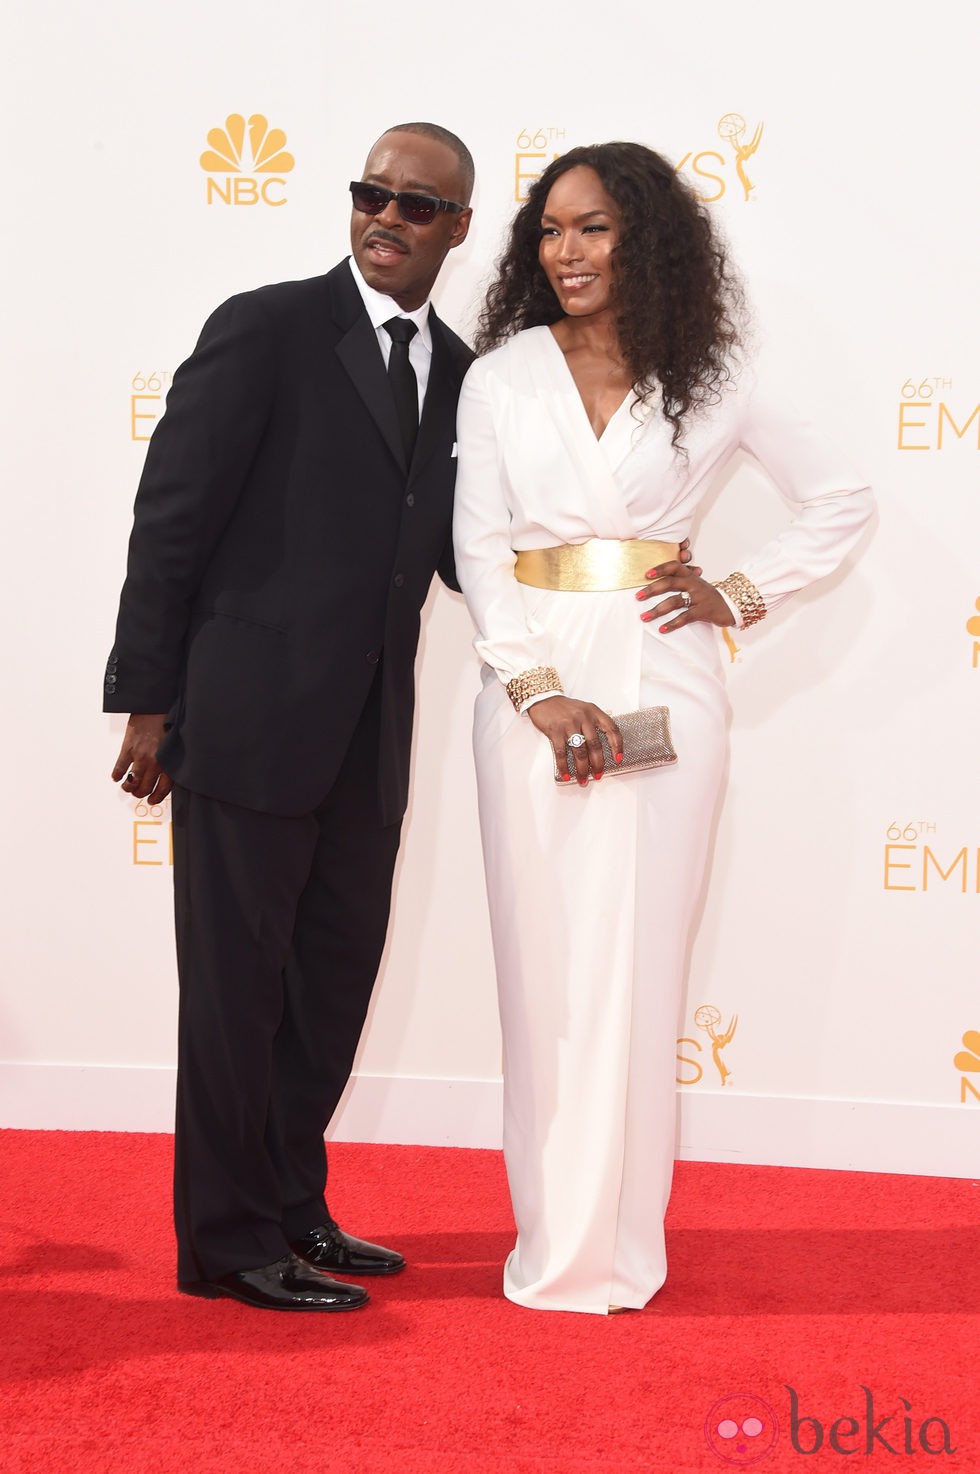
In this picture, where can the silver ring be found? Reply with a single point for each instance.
(686, 600)
(576, 740)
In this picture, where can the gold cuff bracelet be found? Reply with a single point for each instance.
(533, 683)
(745, 596)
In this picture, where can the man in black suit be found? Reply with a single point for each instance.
(293, 508)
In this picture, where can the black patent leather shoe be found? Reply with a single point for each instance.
(289, 1284)
(328, 1247)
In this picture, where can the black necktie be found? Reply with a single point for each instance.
(401, 377)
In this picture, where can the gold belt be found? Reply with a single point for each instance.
(597, 566)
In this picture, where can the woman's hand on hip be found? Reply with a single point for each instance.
(562, 717)
(683, 593)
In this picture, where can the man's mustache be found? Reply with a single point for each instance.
(389, 237)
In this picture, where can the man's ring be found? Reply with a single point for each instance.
(576, 740)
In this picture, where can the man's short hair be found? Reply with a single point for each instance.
(467, 171)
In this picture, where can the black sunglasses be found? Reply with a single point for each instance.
(416, 209)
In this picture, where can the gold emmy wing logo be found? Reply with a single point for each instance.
(708, 1018)
(967, 1061)
(227, 156)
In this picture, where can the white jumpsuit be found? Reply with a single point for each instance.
(592, 890)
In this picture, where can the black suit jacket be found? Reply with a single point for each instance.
(281, 545)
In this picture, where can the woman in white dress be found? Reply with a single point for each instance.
(605, 403)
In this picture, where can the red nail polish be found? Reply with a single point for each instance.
(647, 616)
(640, 594)
(583, 783)
(619, 757)
(566, 777)
(651, 573)
(597, 776)
(663, 629)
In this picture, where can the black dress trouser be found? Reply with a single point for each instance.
(280, 923)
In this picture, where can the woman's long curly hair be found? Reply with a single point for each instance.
(679, 304)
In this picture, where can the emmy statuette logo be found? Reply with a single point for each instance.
(733, 129)
(709, 167)
(708, 1018)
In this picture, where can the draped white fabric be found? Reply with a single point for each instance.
(592, 890)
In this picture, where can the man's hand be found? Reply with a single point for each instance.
(137, 765)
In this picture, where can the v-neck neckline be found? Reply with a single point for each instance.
(627, 398)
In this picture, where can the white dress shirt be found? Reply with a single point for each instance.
(379, 309)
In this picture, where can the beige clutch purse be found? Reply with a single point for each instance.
(646, 743)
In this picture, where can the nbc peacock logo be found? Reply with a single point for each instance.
(967, 1062)
(973, 629)
(241, 151)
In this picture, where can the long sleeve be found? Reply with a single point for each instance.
(532, 474)
(835, 503)
(507, 639)
(195, 467)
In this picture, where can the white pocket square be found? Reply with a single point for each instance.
(454, 452)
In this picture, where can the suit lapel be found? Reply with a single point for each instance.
(360, 355)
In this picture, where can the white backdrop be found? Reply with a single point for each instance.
(841, 920)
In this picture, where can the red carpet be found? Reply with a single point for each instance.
(821, 1282)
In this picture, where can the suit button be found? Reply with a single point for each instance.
(372, 657)
(399, 580)
(112, 662)
(410, 500)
